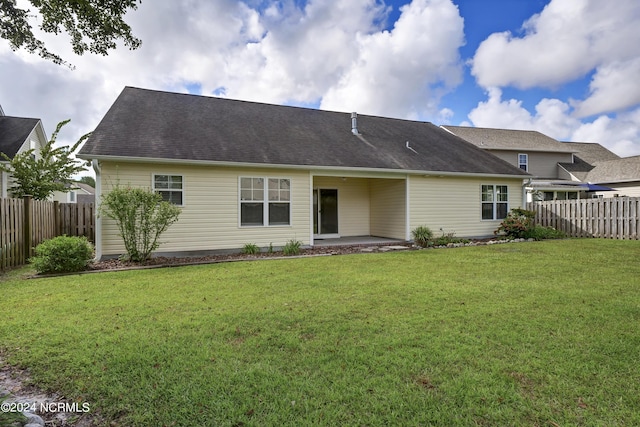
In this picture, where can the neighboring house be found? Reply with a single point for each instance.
(18, 134)
(245, 172)
(559, 169)
(79, 193)
(586, 155)
(623, 175)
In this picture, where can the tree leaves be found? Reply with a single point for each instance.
(39, 175)
(94, 25)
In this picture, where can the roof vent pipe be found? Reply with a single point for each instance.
(354, 123)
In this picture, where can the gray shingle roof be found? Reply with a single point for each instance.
(162, 125)
(508, 139)
(626, 169)
(85, 187)
(586, 155)
(14, 131)
(591, 152)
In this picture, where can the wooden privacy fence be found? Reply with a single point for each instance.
(25, 223)
(610, 218)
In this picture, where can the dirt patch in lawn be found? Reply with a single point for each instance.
(54, 409)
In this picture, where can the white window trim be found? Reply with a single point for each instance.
(265, 202)
(494, 201)
(526, 163)
(153, 185)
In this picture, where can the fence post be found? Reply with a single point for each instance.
(57, 231)
(27, 228)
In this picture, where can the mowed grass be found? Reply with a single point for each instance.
(540, 333)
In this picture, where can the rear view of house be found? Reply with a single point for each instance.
(246, 172)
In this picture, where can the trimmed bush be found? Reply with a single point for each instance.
(517, 224)
(62, 254)
(538, 232)
(422, 236)
(141, 216)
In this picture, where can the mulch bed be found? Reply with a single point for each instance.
(160, 261)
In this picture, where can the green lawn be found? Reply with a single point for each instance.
(540, 333)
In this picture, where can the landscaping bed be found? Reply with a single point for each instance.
(159, 261)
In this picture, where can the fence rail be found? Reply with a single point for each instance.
(25, 223)
(610, 218)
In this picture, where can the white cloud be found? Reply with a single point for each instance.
(303, 52)
(620, 135)
(565, 42)
(613, 87)
(403, 72)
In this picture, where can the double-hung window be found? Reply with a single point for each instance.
(495, 202)
(265, 201)
(170, 187)
(523, 162)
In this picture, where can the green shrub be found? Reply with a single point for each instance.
(141, 216)
(422, 236)
(538, 232)
(250, 249)
(62, 254)
(517, 224)
(292, 247)
(447, 238)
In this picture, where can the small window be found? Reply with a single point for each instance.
(170, 187)
(495, 202)
(262, 204)
(523, 162)
(72, 196)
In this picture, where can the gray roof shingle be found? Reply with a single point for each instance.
(625, 169)
(509, 139)
(14, 131)
(587, 154)
(162, 125)
(591, 152)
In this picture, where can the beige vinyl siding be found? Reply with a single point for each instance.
(541, 164)
(388, 208)
(631, 189)
(453, 204)
(353, 203)
(209, 218)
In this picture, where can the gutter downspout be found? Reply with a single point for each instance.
(98, 230)
(5, 184)
(525, 184)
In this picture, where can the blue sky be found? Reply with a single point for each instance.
(567, 68)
